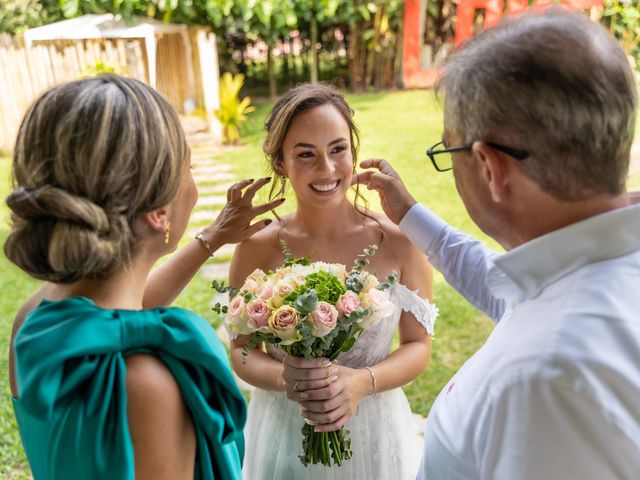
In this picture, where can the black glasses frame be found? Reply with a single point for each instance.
(432, 152)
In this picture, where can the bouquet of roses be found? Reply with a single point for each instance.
(310, 310)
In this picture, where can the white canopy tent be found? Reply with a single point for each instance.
(113, 26)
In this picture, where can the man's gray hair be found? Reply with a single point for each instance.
(556, 85)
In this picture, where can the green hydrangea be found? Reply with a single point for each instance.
(327, 286)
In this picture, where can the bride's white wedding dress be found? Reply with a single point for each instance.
(383, 436)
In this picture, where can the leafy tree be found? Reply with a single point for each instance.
(19, 15)
(314, 14)
(623, 19)
(270, 21)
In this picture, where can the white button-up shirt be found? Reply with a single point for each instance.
(554, 393)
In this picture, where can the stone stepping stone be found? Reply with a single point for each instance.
(207, 201)
(216, 271)
(213, 177)
(204, 215)
(217, 189)
(204, 162)
(201, 137)
(200, 155)
(205, 146)
(211, 169)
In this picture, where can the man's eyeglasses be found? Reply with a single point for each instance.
(444, 162)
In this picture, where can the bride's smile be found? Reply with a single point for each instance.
(325, 188)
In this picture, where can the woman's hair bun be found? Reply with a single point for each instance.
(61, 237)
(90, 157)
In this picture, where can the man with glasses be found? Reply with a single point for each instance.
(539, 122)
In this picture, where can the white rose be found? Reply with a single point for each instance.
(379, 302)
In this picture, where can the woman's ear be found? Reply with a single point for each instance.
(280, 169)
(495, 169)
(157, 220)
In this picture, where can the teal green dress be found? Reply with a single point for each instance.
(72, 406)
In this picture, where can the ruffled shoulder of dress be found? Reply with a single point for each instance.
(74, 351)
(423, 310)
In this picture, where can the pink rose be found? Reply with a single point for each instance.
(283, 322)
(258, 313)
(236, 307)
(379, 302)
(236, 318)
(323, 319)
(347, 303)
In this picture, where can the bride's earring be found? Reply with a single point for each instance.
(167, 233)
(283, 184)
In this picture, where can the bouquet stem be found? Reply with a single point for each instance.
(326, 448)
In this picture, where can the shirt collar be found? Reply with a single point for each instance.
(529, 268)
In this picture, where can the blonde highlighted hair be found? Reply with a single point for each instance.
(90, 156)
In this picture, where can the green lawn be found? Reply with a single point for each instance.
(398, 126)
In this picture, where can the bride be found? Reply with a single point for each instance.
(311, 144)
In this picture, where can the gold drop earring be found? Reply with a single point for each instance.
(282, 186)
(167, 232)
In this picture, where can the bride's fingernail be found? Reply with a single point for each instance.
(334, 378)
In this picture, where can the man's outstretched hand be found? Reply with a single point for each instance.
(394, 196)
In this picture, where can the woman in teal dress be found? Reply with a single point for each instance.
(108, 382)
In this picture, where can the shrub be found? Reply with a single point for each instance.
(232, 113)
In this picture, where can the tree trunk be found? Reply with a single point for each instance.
(314, 50)
(353, 56)
(396, 60)
(305, 62)
(285, 61)
(364, 62)
(377, 50)
(273, 91)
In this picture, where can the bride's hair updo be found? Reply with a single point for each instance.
(90, 156)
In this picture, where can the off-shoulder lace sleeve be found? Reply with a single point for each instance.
(423, 310)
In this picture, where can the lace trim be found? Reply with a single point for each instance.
(423, 310)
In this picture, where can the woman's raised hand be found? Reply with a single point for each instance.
(328, 394)
(233, 224)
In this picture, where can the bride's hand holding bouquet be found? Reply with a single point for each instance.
(329, 394)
